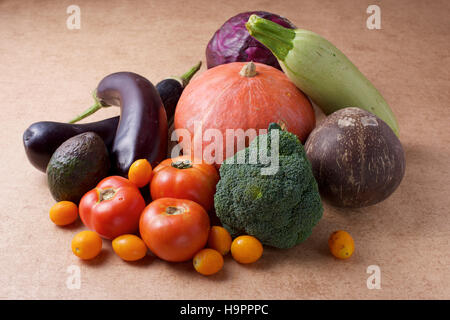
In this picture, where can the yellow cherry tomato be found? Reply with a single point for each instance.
(64, 213)
(208, 261)
(86, 245)
(129, 247)
(219, 239)
(246, 249)
(140, 172)
(341, 244)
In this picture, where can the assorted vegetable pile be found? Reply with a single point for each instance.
(265, 189)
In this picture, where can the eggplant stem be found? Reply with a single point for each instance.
(185, 78)
(93, 109)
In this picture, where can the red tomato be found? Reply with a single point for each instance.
(182, 178)
(113, 208)
(174, 229)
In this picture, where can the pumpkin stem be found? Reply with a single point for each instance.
(249, 70)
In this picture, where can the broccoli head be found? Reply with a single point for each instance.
(279, 209)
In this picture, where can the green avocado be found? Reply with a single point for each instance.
(77, 166)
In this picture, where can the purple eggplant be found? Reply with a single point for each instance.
(42, 138)
(169, 89)
(142, 131)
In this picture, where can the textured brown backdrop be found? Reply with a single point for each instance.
(47, 72)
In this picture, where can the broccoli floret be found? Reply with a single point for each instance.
(280, 209)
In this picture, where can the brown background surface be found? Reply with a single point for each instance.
(47, 72)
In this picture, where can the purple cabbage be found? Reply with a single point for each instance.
(232, 42)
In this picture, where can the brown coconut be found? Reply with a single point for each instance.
(356, 158)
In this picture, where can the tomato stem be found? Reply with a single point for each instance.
(182, 164)
(174, 210)
(106, 194)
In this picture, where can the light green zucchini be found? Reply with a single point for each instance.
(320, 70)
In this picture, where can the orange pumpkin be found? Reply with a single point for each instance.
(242, 95)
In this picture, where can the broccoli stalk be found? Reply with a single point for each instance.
(280, 209)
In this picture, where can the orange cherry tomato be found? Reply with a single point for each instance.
(208, 261)
(246, 249)
(140, 172)
(86, 245)
(174, 229)
(113, 208)
(129, 247)
(64, 213)
(341, 244)
(219, 239)
(183, 178)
